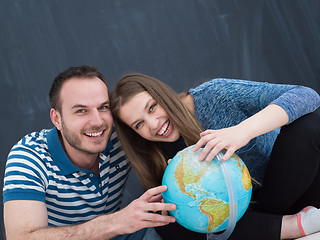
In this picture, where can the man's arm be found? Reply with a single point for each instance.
(26, 219)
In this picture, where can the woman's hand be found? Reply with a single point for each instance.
(233, 138)
(230, 139)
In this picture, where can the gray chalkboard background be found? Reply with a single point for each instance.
(181, 42)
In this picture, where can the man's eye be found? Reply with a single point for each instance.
(103, 108)
(152, 107)
(80, 111)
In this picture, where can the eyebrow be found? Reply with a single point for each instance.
(84, 106)
(145, 108)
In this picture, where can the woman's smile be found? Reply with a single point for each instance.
(165, 129)
(148, 118)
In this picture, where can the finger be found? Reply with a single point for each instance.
(202, 141)
(165, 213)
(197, 146)
(148, 224)
(206, 132)
(214, 152)
(155, 207)
(155, 217)
(169, 160)
(156, 198)
(152, 192)
(207, 149)
(228, 154)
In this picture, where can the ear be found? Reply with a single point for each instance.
(56, 118)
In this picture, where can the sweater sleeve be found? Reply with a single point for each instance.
(251, 97)
(298, 101)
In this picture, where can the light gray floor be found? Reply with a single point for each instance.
(315, 236)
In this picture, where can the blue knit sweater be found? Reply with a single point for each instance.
(222, 103)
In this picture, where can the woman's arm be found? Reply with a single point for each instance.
(252, 109)
(233, 138)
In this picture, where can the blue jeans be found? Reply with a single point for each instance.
(143, 234)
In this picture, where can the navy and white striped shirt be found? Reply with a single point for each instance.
(39, 169)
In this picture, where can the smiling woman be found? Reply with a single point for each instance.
(150, 121)
(175, 111)
(258, 121)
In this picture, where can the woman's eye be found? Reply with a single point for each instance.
(152, 107)
(138, 125)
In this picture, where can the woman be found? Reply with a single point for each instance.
(245, 117)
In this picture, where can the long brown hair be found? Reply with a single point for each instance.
(144, 155)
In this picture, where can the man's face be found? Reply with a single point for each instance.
(85, 121)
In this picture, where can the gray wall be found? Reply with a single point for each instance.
(181, 42)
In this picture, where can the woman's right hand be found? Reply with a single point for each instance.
(235, 137)
(231, 139)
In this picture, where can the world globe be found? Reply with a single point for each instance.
(200, 192)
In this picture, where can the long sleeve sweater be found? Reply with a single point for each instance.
(222, 103)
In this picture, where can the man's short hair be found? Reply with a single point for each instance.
(78, 71)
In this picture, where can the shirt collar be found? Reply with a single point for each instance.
(60, 157)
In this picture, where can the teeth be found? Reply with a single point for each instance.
(164, 129)
(97, 134)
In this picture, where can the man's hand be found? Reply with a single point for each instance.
(142, 212)
(26, 219)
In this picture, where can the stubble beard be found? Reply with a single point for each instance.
(74, 140)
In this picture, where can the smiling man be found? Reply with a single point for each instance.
(67, 182)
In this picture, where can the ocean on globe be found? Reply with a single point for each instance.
(199, 190)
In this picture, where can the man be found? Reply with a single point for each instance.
(67, 182)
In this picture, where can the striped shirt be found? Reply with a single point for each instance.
(38, 169)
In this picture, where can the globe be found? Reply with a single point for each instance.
(199, 190)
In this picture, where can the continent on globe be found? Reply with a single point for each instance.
(200, 191)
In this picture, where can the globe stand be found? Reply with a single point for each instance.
(233, 206)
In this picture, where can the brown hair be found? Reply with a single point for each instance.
(77, 71)
(145, 156)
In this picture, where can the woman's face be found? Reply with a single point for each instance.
(144, 115)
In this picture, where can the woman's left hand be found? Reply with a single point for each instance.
(231, 139)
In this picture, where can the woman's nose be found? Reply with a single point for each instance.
(153, 123)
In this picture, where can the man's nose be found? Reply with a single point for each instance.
(95, 118)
